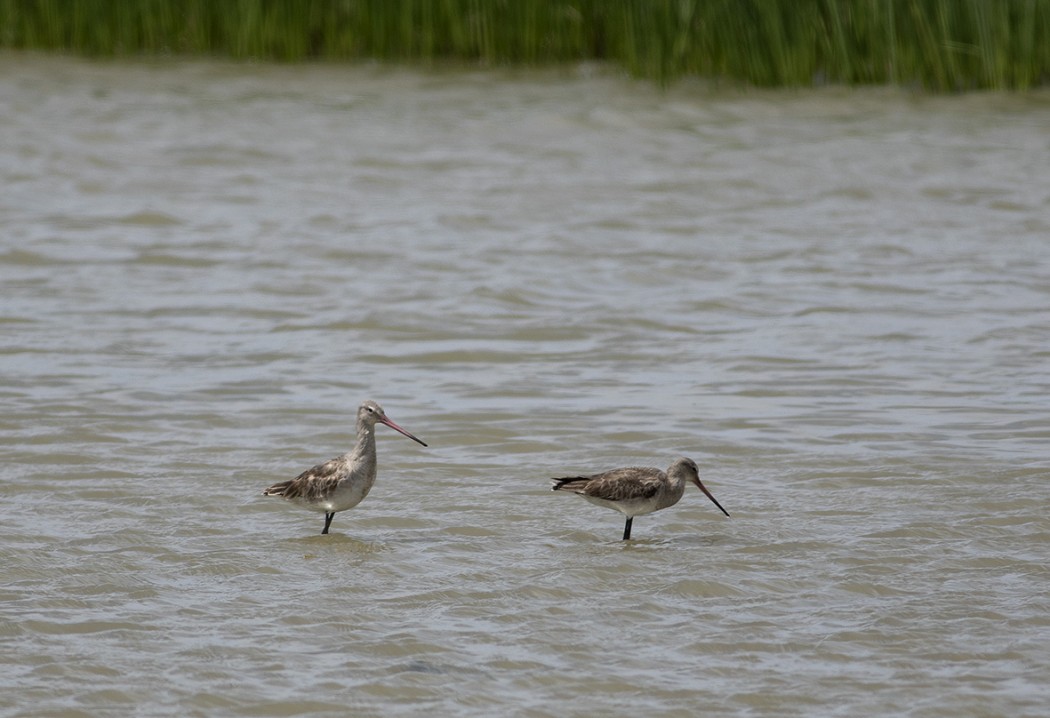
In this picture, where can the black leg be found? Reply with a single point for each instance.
(328, 521)
(627, 528)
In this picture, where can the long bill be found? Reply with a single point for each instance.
(395, 427)
(707, 493)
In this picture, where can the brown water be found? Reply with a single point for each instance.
(837, 302)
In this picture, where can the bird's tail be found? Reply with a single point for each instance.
(277, 489)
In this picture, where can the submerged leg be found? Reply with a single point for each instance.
(328, 521)
(627, 528)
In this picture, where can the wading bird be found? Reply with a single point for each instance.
(343, 482)
(636, 491)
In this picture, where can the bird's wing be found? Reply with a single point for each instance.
(309, 482)
(616, 485)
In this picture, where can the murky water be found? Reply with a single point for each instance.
(837, 302)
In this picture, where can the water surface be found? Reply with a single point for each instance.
(836, 301)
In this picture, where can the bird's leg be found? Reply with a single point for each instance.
(627, 528)
(328, 521)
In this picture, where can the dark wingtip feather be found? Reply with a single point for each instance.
(563, 483)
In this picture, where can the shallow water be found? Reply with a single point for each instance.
(837, 302)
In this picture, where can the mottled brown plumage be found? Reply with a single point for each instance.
(343, 482)
(636, 491)
(314, 484)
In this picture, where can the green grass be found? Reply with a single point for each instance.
(945, 45)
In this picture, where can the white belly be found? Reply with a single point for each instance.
(627, 508)
(347, 495)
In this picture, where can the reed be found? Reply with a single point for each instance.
(940, 44)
